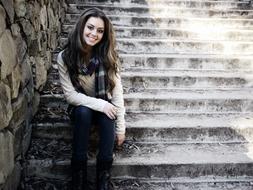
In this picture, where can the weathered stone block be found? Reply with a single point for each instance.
(52, 39)
(20, 7)
(33, 13)
(20, 110)
(43, 41)
(14, 179)
(19, 41)
(43, 17)
(26, 72)
(2, 20)
(34, 46)
(28, 28)
(52, 22)
(41, 73)
(8, 6)
(6, 155)
(8, 54)
(49, 59)
(14, 80)
(5, 105)
(15, 30)
(55, 5)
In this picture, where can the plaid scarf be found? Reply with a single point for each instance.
(95, 65)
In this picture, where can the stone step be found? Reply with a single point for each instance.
(177, 33)
(140, 83)
(247, 72)
(167, 11)
(182, 101)
(144, 2)
(183, 46)
(58, 113)
(164, 3)
(160, 160)
(173, 79)
(53, 87)
(188, 119)
(207, 183)
(182, 62)
(188, 33)
(171, 22)
(185, 62)
(177, 101)
(178, 129)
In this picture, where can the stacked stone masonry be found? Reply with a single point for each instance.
(28, 35)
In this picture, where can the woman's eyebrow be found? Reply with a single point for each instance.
(94, 26)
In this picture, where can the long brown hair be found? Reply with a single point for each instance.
(74, 50)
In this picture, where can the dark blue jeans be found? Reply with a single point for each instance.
(83, 118)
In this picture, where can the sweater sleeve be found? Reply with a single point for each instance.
(118, 101)
(71, 95)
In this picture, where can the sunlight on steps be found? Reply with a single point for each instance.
(205, 31)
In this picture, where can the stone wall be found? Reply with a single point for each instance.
(28, 34)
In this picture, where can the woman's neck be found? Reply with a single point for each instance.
(88, 49)
(87, 53)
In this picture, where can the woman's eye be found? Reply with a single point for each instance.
(101, 31)
(90, 27)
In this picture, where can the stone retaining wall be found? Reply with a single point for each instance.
(28, 34)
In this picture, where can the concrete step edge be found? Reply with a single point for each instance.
(174, 17)
(246, 95)
(161, 7)
(154, 73)
(170, 28)
(122, 183)
(133, 125)
(191, 180)
(193, 154)
(248, 1)
(139, 72)
(166, 40)
(172, 5)
(181, 56)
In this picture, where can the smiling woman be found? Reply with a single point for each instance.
(89, 75)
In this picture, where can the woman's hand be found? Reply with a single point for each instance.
(120, 139)
(110, 110)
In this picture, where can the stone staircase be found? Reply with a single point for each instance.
(187, 70)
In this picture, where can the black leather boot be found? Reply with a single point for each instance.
(79, 175)
(103, 170)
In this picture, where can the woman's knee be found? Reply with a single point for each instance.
(82, 112)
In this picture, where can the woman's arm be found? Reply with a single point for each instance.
(118, 101)
(72, 96)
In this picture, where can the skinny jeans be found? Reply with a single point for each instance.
(83, 118)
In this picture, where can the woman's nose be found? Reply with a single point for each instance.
(94, 32)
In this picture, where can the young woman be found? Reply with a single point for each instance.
(89, 75)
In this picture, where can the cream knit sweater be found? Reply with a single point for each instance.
(75, 98)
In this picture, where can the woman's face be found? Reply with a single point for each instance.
(93, 31)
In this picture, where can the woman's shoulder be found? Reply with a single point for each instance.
(60, 62)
